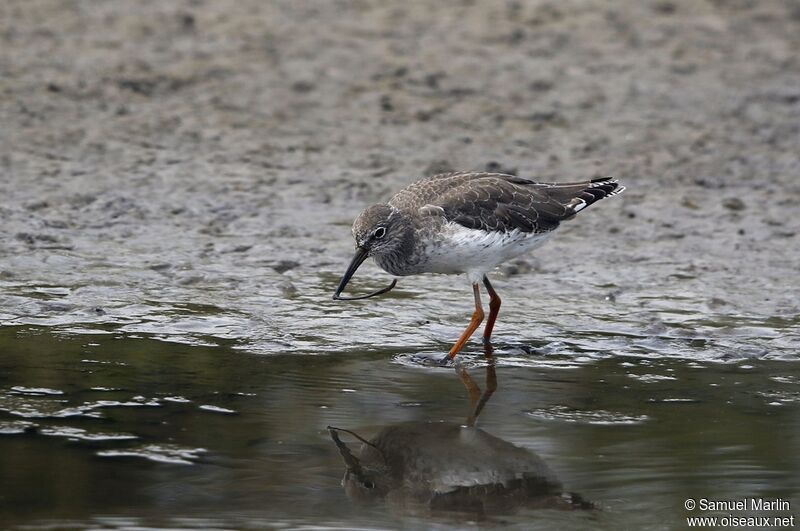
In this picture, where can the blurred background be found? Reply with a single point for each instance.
(177, 182)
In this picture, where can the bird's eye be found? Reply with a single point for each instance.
(380, 232)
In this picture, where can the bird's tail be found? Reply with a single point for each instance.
(577, 196)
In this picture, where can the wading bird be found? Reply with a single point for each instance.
(466, 223)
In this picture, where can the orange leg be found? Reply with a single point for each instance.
(477, 318)
(494, 309)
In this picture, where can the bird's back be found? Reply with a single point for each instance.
(499, 202)
(472, 222)
(430, 189)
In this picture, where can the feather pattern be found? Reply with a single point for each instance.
(470, 222)
(499, 202)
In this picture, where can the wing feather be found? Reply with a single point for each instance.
(497, 202)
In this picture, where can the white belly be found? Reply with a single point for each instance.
(476, 252)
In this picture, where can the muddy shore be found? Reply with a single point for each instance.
(189, 169)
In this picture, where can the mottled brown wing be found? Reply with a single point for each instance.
(494, 202)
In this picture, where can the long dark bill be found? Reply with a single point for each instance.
(351, 461)
(358, 259)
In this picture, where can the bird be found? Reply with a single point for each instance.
(466, 223)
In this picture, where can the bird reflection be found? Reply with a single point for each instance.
(478, 399)
(430, 467)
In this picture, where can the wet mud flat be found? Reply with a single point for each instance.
(177, 182)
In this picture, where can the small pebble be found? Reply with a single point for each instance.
(733, 203)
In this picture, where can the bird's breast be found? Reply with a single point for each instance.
(457, 249)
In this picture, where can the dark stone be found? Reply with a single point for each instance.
(187, 21)
(665, 8)
(496, 167)
(432, 80)
(303, 86)
(37, 205)
(733, 203)
(541, 85)
(285, 265)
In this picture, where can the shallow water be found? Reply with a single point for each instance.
(111, 430)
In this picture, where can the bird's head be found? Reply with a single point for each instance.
(379, 231)
(367, 476)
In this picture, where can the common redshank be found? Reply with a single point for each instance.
(466, 222)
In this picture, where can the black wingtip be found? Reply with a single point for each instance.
(596, 190)
(604, 187)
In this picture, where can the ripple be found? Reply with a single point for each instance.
(22, 406)
(785, 379)
(554, 362)
(101, 362)
(137, 401)
(421, 360)
(469, 360)
(15, 427)
(778, 398)
(78, 434)
(160, 453)
(177, 399)
(651, 378)
(217, 409)
(36, 391)
(599, 416)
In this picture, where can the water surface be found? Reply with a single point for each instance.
(110, 430)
